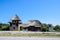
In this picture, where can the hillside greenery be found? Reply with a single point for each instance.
(44, 27)
(4, 27)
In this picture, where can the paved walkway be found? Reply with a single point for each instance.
(29, 38)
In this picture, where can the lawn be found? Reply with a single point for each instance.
(18, 33)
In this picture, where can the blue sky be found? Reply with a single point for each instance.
(46, 11)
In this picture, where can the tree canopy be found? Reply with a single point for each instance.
(57, 28)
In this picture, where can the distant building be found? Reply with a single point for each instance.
(15, 21)
(31, 25)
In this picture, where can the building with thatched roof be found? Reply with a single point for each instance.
(31, 25)
(14, 23)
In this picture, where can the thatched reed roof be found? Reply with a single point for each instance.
(15, 18)
(35, 23)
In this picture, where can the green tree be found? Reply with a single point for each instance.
(44, 27)
(0, 26)
(21, 28)
(57, 28)
(50, 25)
(4, 26)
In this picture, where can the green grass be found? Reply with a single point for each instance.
(28, 34)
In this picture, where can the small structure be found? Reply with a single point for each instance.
(32, 25)
(15, 21)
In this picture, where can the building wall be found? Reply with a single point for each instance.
(13, 28)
